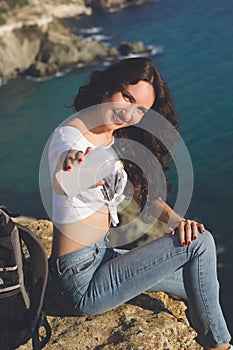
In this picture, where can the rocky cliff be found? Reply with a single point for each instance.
(150, 321)
(109, 4)
(41, 48)
(34, 42)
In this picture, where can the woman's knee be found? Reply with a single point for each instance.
(207, 241)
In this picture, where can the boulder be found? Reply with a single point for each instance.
(150, 321)
(134, 47)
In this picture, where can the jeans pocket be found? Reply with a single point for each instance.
(76, 276)
(83, 265)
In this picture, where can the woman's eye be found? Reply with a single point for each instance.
(126, 96)
(142, 109)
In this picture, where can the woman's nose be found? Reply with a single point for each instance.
(134, 112)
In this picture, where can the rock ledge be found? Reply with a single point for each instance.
(150, 321)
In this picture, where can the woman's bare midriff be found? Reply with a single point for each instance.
(78, 235)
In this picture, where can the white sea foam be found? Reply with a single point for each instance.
(118, 8)
(155, 50)
(39, 79)
(3, 81)
(90, 30)
(59, 74)
(80, 65)
(108, 61)
(97, 37)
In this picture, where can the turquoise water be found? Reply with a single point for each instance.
(194, 41)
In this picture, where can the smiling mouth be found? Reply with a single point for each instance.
(118, 118)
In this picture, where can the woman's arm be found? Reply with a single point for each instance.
(158, 209)
(187, 229)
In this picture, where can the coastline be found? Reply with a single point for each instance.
(35, 43)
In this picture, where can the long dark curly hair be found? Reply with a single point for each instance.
(115, 78)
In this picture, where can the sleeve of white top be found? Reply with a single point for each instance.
(64, 139)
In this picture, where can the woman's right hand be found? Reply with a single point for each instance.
(72, 156)
(77, 156)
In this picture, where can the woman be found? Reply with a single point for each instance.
(92, 276)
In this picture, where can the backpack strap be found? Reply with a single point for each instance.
(18, 257)
(38, 344)
(39, 271)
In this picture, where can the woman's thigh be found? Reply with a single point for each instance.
(156, 265)
(172, 284)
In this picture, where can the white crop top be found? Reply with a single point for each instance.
(73, 209)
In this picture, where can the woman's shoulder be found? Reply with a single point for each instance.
(72, 126)
(73, 122)
(72, 132)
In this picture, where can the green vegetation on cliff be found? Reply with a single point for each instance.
(13, 3)
(6, 6)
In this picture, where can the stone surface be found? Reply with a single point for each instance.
(135, 47)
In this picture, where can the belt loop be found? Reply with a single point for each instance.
(97, 248)
(107, 241)
(58, 266)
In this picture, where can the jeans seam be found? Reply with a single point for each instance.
(175, 279)
(211, 327)
(147, 269)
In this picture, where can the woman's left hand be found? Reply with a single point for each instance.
(188, 231)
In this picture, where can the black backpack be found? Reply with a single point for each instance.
(23, 278)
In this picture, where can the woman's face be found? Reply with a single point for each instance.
(128, 107)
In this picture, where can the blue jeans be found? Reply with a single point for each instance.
(98, 278)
